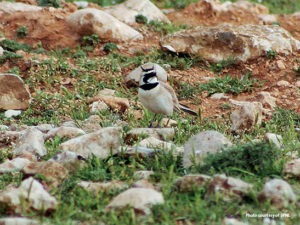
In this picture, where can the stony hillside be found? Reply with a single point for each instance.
(75, 142)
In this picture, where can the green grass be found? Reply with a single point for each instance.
(253, 162)
(10, 47)
(49, 3)
(10, 178)
(7, 55)
(188, 91)
(229, 84)
(90, 40)
(282, 6)
(164, 28)
(178, 4)
(256, 159)
(77, 204)
(22, 32)
(5, 153)
(271, 54)
(223, 64)
(110, 47)
(275, 6)
(103, 2)
(61, 86)
(278, 6)
(297, 71)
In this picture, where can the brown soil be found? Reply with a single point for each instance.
(48, 27)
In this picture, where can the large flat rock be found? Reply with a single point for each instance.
(101, 143)
(12, 7)
(221, 42)
(127, 11)
(13, 93)
(93, 21)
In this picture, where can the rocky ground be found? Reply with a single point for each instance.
(74, 142)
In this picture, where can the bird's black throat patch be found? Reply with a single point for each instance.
(148, 86)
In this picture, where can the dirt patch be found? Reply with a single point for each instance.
(205, 13)
(47, 27)
(291, 23)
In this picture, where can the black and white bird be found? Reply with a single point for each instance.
(158, 96)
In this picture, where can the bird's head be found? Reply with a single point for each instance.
(149, 75)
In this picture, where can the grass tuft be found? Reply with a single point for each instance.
(271, 54)
(22, 32)
(259, 159)
(229, 84)
(49, 3)
(223, 64)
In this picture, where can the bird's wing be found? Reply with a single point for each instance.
(177, 106)
(173, 94)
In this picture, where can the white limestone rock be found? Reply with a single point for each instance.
(276, 139)
(267, 100)
(81, 4)
(101, 143)
(70, 123)
(144, 183)
(155, 143)
(13, 7)
(268, 19)
(44, 128)
(98, 187)
(12, 113)
(229, 187)
(278, 192)
(13, 165)
(55, 173)
(98, 106)
(218, 96)
(113, 102)
(94, 21)
(70, 160)
(92, 124)
(143, 174)
(292, 168)
(246, 116)
(165, 134)
(32, 140)
(233, 221)
(242, 42)
(190, 181)
(64, 132)
(283, 83)
(199, 145)
(18, 221)
(13, 92)
(127, 11)
(139, 198)
(139, 151)
(168, 123)
(30, 191)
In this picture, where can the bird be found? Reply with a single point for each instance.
(158, 96)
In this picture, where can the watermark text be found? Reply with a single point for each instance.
(268, 215)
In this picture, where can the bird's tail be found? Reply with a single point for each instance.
(186, 109)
